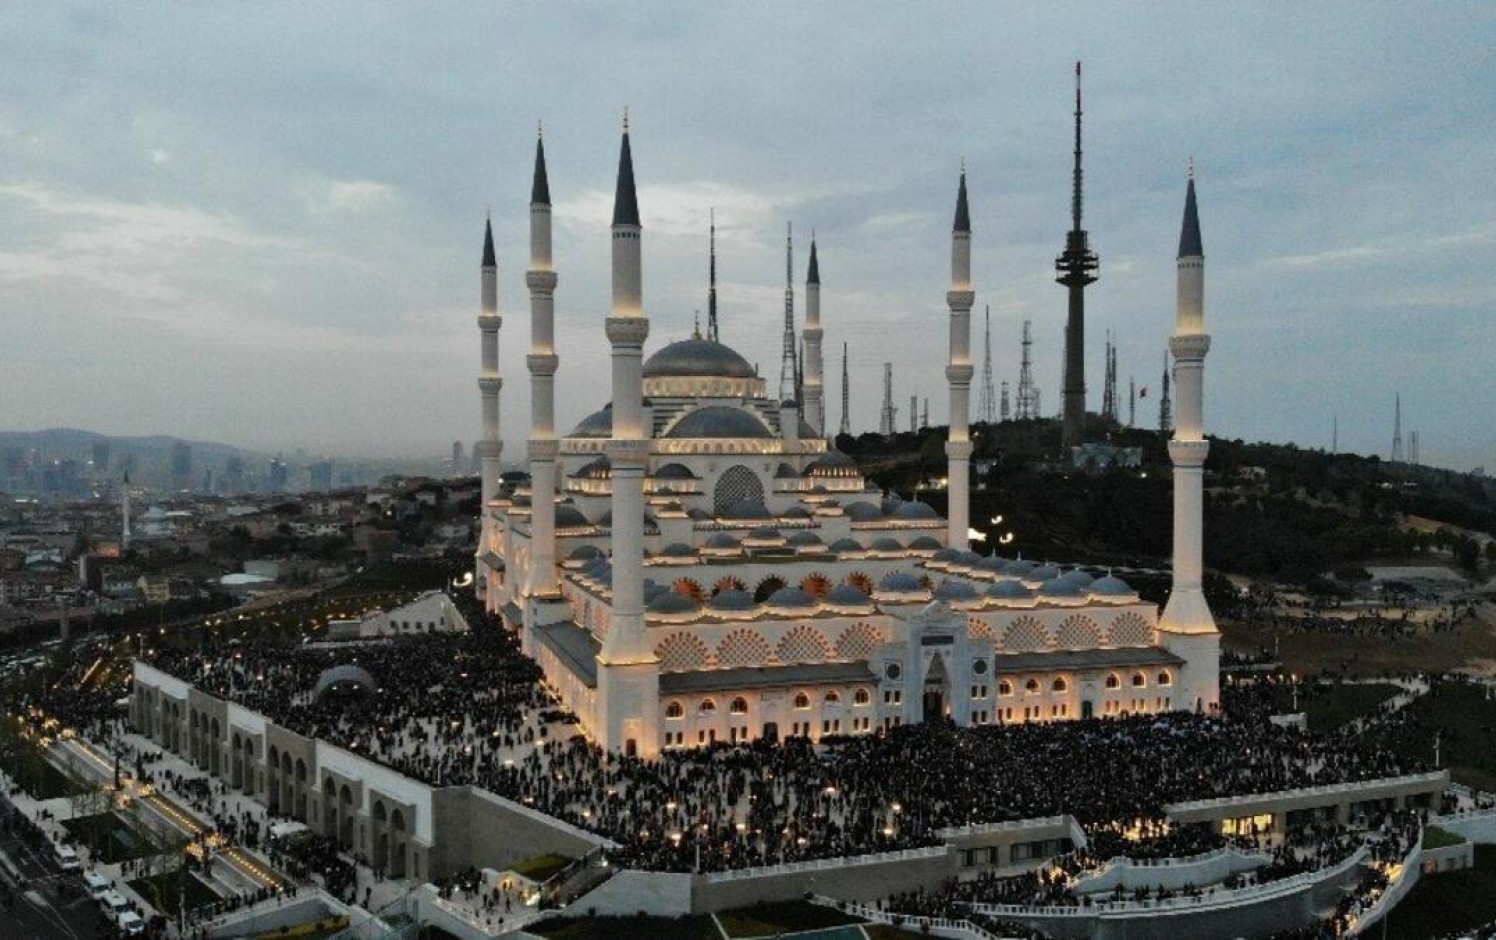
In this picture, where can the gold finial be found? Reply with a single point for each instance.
(1192, 168)
(625, 119)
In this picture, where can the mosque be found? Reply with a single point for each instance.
(694, 563)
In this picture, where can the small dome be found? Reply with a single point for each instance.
(653, 591)
(1111, 587)
(674, 471)
(925, 543)
(1008, 589)
(1019, 568)
(915, 510)
(785, 472)
(584, 552)
(671, 602)
(1078, 578)
(955, 591)
(747, 509)
(678, 550)
(862, 511)
(899, 582)
(720, 540)
(597, 424)
(791, 598)
(833, 463)
(968, 558)
(945, 554)
(846, 595)
(796, 512)
(992, 563)
(570, 517)
(697, 358)
(804, 537)
(732, 599)
(891, 502)
(764, 533)
(1044, 573)
(719, 421)
(1058, 587)
(847, 545)
(886, 544)
(598, 469)
(697, 513)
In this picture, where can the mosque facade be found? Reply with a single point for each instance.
(694, 563)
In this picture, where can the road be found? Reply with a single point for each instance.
(39, 902)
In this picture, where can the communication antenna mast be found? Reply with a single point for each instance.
(1005, 411)
(889, 413)
(1028, 393)
(1109, 387)
(1413, 447)
(846, 423)
(1132, 401)
(913, 413)
(1165, 406)
(789, 366)
(924, 416)
(711, 291)
(988, 408)
(1397, 447)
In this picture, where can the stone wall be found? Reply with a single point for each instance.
(862, 878)
(482, 830)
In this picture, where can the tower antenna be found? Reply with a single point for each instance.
(846, 421)
(889, 413)
(1028, 394)
(711, 291)
(789, 365)
(1165, 405)
(988, 407)
(1397, 443)
(1076, 267)
(1109, 387)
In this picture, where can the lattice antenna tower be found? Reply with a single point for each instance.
(789, 366)
(711, 291)
(1413, 447)
(1165, 404)
(889, 414)
(924, 415)
(1397, 445)
(846, 421)
(1132, 401)
(1004, 410)
(913, 413)
(1028, 393)
(987, 411)
(1109, 382)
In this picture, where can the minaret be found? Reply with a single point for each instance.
(124, 532)
(489, 383)
(958, 373)
(711, 290)
(846, 420)
(815, 406)
(1187, 627)
(1076, 268)
(628, 669)
(542, 361)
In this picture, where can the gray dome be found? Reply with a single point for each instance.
(1044, 573)
(1111, 587)
(597, 424)
(696, 512)
(570, 517)
(346, 674)
(720, 540)
(833, 463)
(764, 533)
(891, 502)
(846, 545)
(678, 550)
(719, 421)
(675, 471)
(1078, 578)
(862, 511)
(785, 472)
(733, 599)
(672, 603)
(697, 358)
(804, 537)
(598, 469)
(915, 510)
(955, 591)
(652, 591)
(968, 557)
(1020, 567)
(791, 598)
(845, 595)
(945, 554)
(887, 544)
(796, 512)
(991, 563)
(1009, 589)
(747, 509)
(901, 582)
(925, 543)
(582, 552)
(1059, 587)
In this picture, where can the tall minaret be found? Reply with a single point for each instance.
(541, 280)
(628, 669)
(958, 373)
(1187, 627)
(489, 383)
(1076, 268)
(815, 405)
(124, 532)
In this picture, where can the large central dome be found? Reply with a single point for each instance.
(697, 358)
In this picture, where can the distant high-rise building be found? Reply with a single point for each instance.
(101, 455)
(319, 476)
(280, 476)
(457, 461)
(233, 475)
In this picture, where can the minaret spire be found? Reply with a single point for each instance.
(541, 583)
(489, 385)
(1076, 268)
(958, 372)
(813, 380)
(711, 291)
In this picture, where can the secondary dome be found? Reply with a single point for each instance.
(719, 421)
(697, 358)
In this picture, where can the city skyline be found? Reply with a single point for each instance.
(275, 243)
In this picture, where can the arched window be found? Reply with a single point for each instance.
(1165, 679)
(1112, 682)
(833, 697)
(1139, 681)
(861, 697)
(1031, 686)
(675, 710)
(707, 707)
(1060, 685)
(740, 706)
(802, 701)
(1004, 687)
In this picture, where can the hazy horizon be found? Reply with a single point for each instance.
(264, 229)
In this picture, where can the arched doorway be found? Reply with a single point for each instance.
(936, 690)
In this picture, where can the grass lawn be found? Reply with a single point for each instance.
(109, 838)
(1333, 706)
(541, 867)
(164, 891)
(627, 928)
(1368, 657)
(1467, 723)
(771, 920)
(1436, 838)
(1444, 905)
(885, 932)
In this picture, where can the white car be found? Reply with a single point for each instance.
(66, 858)
(97, 885)
(131, 924)
(114, 904)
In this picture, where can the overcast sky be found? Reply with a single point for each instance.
(261, 224)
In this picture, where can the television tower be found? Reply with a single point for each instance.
(1003, 410)
(789, 366)
(1165, 406)
(987, 410)
(888, 415)
(913, 413)
(1028, 394)
(846, 422)
(1109, 386)
(1076, 268)
(711, 291)
(1397, 445)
